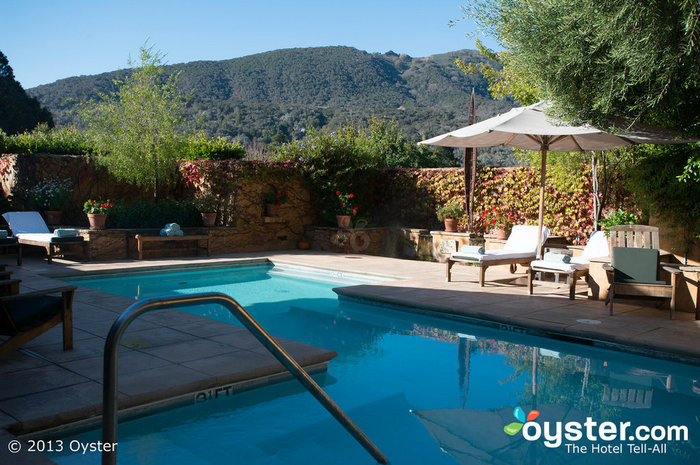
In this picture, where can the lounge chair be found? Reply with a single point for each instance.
(23, 317)
(520, 248)
(635, 272)
(30, 229)
(597, 246)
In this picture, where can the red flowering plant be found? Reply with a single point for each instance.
(345, 204)
(97, 206)
(276, 198)
(497, 218)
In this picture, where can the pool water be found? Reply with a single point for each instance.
(425, 390)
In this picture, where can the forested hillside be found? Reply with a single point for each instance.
(276, 96)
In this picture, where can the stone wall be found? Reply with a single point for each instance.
(243, 224)
(387, 242)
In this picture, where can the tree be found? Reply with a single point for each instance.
(18, 111)
(597, 59)
(138, 128)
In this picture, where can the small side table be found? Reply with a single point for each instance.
(11, 242)
(691, 274)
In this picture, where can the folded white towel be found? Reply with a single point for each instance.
(556, 257)
(472, 249)
(65, 232)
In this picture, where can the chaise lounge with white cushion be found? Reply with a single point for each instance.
(575, 267)
(30, 229)
(520, 248)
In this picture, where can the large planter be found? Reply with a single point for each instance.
(53, 217)
(97, 220)
(343, 221)
(208, 219)
(450, 225)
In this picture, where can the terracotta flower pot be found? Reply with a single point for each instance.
(208, 219)
(270, 209)
(499, 233)
(450, 225)
(53, 217)
(343, 221)
(97, 220)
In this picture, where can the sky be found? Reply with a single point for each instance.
(47, 40)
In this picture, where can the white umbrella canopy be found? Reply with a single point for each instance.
(529, 128)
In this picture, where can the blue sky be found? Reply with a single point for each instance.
(46, 40)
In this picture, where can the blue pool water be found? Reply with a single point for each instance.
(425, 390)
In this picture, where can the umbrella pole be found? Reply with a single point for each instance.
(540, 220)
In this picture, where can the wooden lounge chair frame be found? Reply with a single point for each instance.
(483, 266)
(572, 276)
(18, 338)
(512, 261)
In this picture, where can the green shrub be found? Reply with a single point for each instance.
(333, 162)
(148, 214)
(197, 146)
(64, 141)
(616, 218)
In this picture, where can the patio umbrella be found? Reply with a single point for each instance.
(529, 128)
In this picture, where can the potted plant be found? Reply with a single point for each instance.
(497, 221)
(344, 209)
(51, 195)
(274, 199)
(96, 211)
(207, 204)
(616, 218)
(449, 214)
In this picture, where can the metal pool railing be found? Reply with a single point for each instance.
(109, 392)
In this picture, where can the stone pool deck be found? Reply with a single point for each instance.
(171, 355)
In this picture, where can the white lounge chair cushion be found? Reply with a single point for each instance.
(26, 222)
(577, 263)
(522, 243)
(493, 255)
(38, 237)
(597, 246)
(523, 238)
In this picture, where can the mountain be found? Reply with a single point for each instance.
(275, 96)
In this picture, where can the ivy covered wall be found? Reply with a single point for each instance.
(391, 197)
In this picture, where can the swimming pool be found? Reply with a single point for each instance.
(425, 390)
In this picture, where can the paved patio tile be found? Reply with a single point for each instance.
(20, 361)
(83, 348)
(57, 406)
(159, 382)
(43, 379)
(192, 350)
(130, 361)
(55, 336)
(207, 328)
(154, 337)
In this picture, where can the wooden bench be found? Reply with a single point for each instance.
(191, 237)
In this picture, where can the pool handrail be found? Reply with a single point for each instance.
(109, 388)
